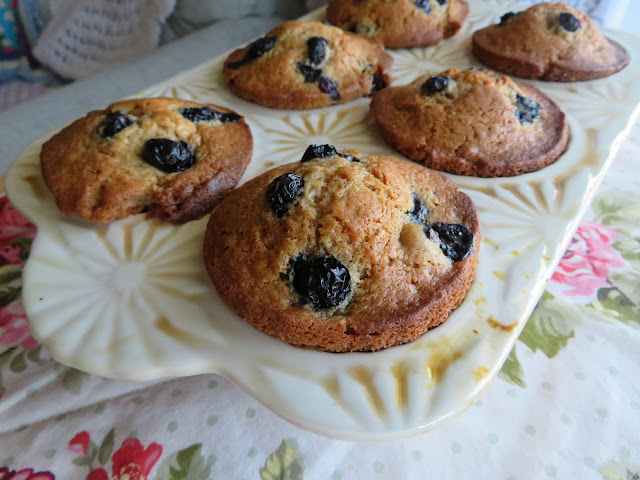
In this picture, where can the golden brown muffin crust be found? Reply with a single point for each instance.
(357, 65)
(399, 23)
(471, 128)
(103, 179)
(358, 213)
(533, 45)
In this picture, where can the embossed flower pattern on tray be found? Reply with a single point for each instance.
(345, 128)
(202, 84)
(132, 280)
(586, 100)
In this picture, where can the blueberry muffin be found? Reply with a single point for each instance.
(171, 158)
(549, 41)
(342, 252)
(300, 65)
(472, 122)
(400, 23)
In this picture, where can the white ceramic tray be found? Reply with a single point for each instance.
(131, 300)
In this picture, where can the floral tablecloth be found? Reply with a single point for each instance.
(565, 405)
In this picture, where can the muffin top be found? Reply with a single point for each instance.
(300, 65)
(549, 41)
(472, 122)
(172, 158)
(344, 252)
(400, 23)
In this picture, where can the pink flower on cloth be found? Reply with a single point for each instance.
(80, 443)
(98, 474)
(12, 224)
(130, 462)
(14, 327)
(10, 255)
(584, 268)
(133, 461)
(13, 321)
(25, 474)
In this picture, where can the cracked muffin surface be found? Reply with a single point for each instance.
(171, 158)
(400, 23)
(300, 65)
(344, 252)
(472, 122)
(549, 41)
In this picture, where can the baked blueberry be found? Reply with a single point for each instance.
(568, 21)
(228, 117)
(378, 84)
(318, 151)
(256, 50)
(456, 241)
(322, 282)
(348, 157)
(426, 6)
(363, 28)
(419, 213)
(168, 155)
(326, 85)
(508, 16)
(527, 109)
(282, 191)
(311, 75)
(317, 50)
(435, 84)
(204, 114)
(208, 114)
(113, 123)
(423, 5)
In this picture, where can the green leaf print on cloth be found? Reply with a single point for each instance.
(620, 469)
(548, 329)
(621, 211)
(598, 278)
(617, 302)
(283, 464)
(187, 464)
(512, 370)
(10, 283)
(91, 450)
(18, 361)
(71, 379)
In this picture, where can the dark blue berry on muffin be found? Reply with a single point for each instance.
(527, 109)
(208, 114)
(257, 49)
(456, 241)
(569, 21)
(419, 212)
(113, 123)
(321, 282)
(168, 155)
(435, 84)
(282, 191)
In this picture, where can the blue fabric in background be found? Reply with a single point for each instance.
(11, 48)
(15, 60)
(34, 16)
